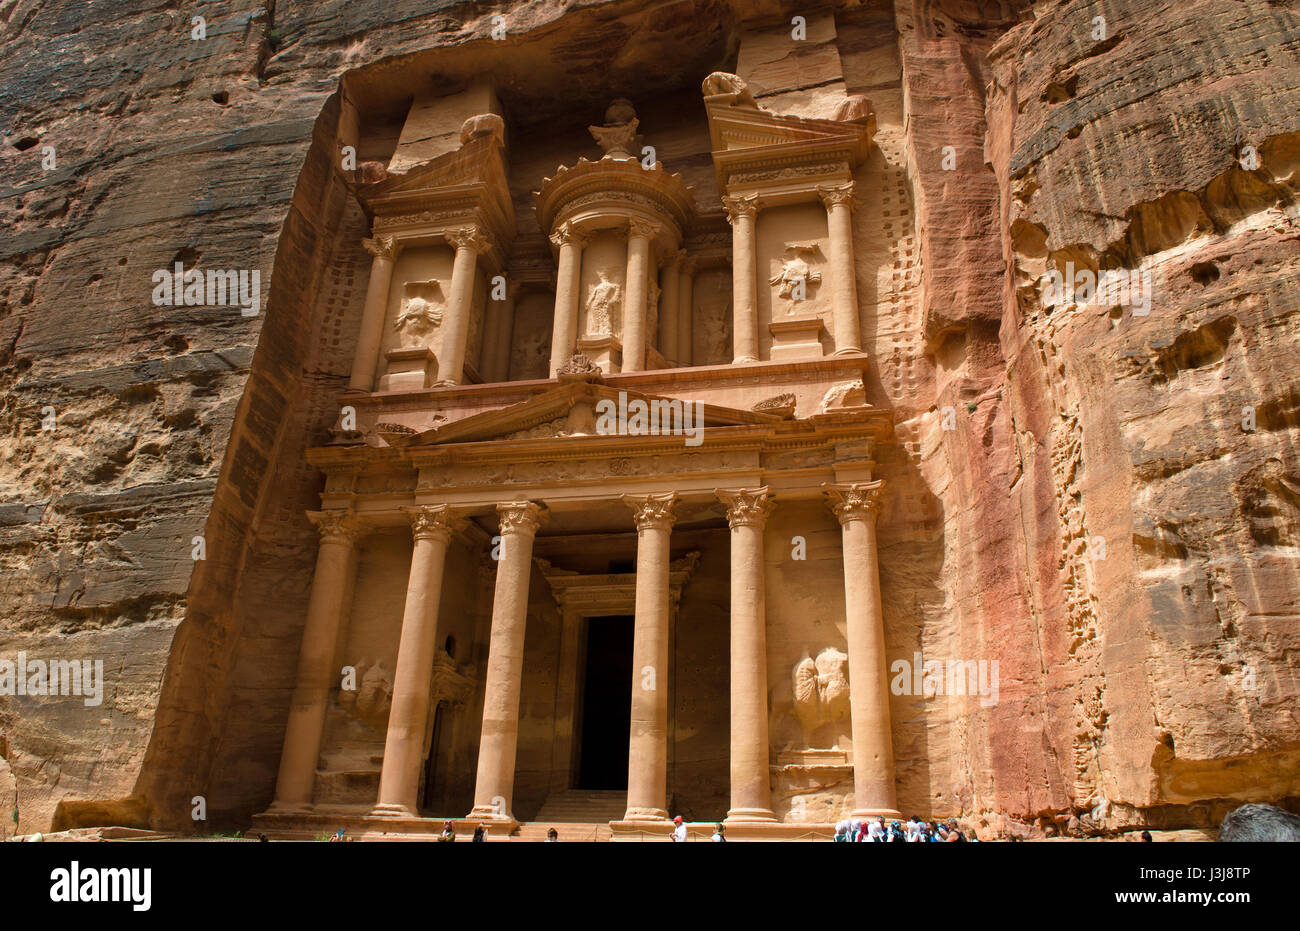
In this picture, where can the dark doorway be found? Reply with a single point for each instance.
(606, 703)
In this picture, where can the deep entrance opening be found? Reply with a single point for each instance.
(606, 703)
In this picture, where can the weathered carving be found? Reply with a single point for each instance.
(652, 511)
(373, 695)
(855, 501)
(470, 237)
(796, 276)
(420, 314)
(484, 124)
(854, 108)
(834, 195)
(746, 507)
(567, 233)
(434, 521)
(604, 307)
(336, 525)
(777, 404)
(741, 205)
(722, 84)
(618, 137)
(581, 368)
(821, 690)
(381, 246)
(849, 394)
(520, 517)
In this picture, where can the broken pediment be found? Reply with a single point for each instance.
(465, 187)
(584, 408)
(755, 149)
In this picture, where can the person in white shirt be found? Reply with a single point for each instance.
(679, 830)
(855, 829)
(914, 827)
(719, 834)
(876, 832)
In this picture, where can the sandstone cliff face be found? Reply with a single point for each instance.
(1073, 492)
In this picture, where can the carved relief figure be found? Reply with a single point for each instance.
(796, 277)
(821, 691)
(604, 307)
(419, 315)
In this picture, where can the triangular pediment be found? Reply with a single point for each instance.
(568, 412)
(733, 127)
(479, 160)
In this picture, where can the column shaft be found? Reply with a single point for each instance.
(468, 244)
(669, 279)
(408, 717)
(686, 313)
(494, 785)
(873, 752)
(743, 213)
(844, 287)
(647, 765)
(751, 800)
(371, 335)
(635, 292)
(568, 283)
(497, 337)
(335, 567)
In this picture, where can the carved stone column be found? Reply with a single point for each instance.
(669, 279)
(494, 786)
(371, 336)
(498, 334)
(647, 765)
(751, 798)
(639, 234)
(742, 211)
(399, 780)
(844, 287)
(856, 506)
(568, 283)
(469, 243)
(686, 312)
(335, 571)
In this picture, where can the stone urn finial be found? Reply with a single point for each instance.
(618, 137)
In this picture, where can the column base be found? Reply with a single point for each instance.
(742, 360)
(749, 814)
(847, 351)
(391, 810)
(645, 814)
(489, 813)
(290, 808)
(888, 814)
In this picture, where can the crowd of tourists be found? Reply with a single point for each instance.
(854, 830)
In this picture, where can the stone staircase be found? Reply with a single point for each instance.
(577, 814)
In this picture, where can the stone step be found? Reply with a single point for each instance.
(582, 806)
(569, 831)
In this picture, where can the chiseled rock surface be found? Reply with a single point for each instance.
(1097, 521)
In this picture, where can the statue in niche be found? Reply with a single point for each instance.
(821, 691)
(419, 316)
(795, 276)
(604, 307)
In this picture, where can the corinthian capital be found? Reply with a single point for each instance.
(835, 195)
(337, 525)
(652, 512)
(746, 507)
(381, 247)
(470, 237)
(643, 228)
(566, 234)
(855, 501)
(740, 205)
(519, 517)
(433, 522)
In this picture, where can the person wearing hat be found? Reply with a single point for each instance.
(679, 831)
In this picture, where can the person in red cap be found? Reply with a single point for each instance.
(679, 830)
